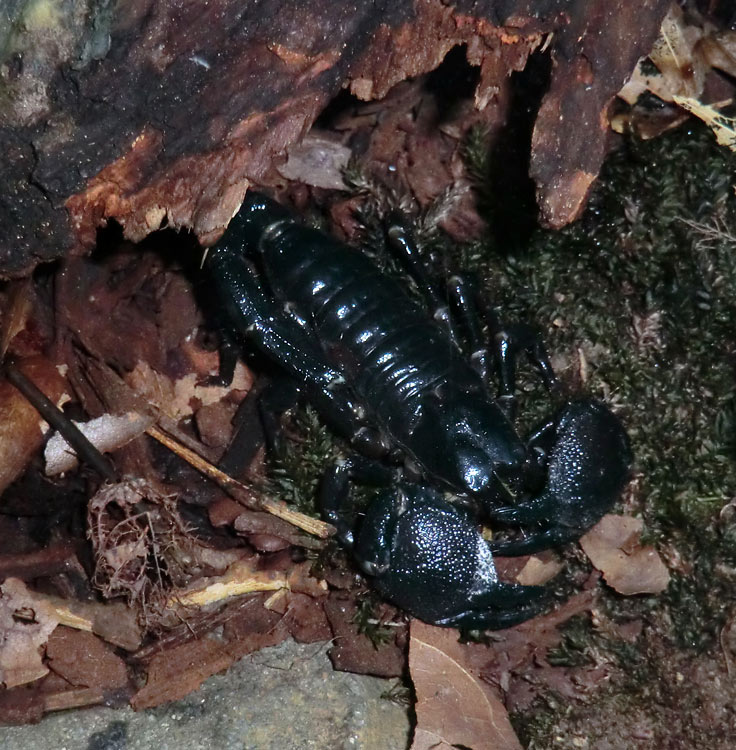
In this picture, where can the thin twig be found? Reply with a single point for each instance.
(241, 492)
(57, 419)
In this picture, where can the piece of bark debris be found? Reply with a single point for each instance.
(356, 652)
(614, 548)
(84, 660)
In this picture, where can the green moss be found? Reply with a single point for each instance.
(303, 455)
(643, 286)
(650, 302)
(369, 623)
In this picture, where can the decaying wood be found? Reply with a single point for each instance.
(160, 111)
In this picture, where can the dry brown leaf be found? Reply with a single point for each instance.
(21, 427)
(25, 626)
(318, 161)
(722, 126)
(454, 706)
(613, 547)
(720, 51)
(15, 316)
(683, 56)
(538, 570)
(353, 651)
(176, 398)
(681, 65)
(678, 58)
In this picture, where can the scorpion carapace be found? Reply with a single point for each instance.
(389, 375)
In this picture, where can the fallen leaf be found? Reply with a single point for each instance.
(176, 398)
(21, 427)
(539, 570)
(720, 51)
(318, 161)
(454, 706)
(680, 70)
(16, 313)
(25, 626)
(613, 547)
(723, 127)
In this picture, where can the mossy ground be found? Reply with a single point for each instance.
(637, 304)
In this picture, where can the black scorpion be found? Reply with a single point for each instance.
(392, 380)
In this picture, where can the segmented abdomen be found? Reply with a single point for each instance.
(382, 340)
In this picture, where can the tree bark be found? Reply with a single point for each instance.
(155, 112)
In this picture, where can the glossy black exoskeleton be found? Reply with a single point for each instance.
(394, 382)
(428, 556)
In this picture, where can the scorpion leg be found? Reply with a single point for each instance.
(335, 495)
(405, 248)
(229, 352)
(555, 536)
(259, 319)
(248, 437)
(278, 397)
(509, 341)
(463, 294)
(258, 422)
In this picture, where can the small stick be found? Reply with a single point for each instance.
(57, 419)
(241, 578)
(241, 492)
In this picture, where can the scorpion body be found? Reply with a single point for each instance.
(421, 391)
(387, 376)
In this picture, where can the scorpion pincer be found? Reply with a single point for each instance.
(391, 378)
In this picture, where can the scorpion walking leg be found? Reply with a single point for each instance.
(229, 353)
(463, 293)
(248, 437)
(537, 540)
(258, 422)
(278, 397)
(405, 247)
(335, 495)
(509, 341)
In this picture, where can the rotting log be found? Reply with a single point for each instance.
(155, 112)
